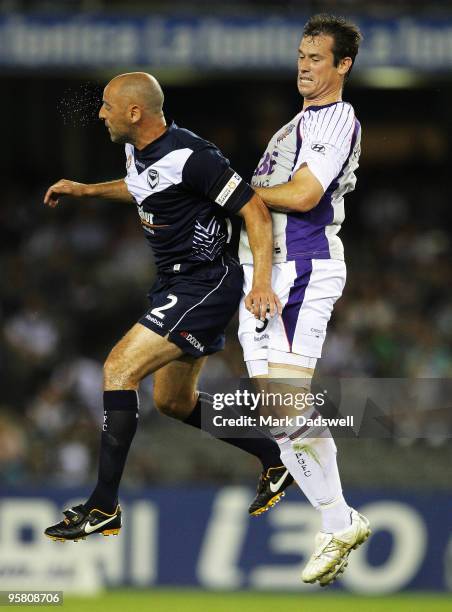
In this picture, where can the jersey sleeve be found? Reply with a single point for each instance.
(207, 173)
(326, 138)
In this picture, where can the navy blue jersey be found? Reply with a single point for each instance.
(184, 189)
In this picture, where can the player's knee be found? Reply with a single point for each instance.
(295, 375)
(118, 374)
(169, 405)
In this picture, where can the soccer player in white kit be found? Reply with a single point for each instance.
(302, 177)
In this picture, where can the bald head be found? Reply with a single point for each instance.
(138, 88)
(132, 108)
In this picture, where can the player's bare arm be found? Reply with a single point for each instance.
(259, 229)
(301, 194)
(112, 190)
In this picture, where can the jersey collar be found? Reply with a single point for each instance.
(316, 107)
(170, 127)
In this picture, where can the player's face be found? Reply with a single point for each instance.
(317, 74)
(113, 114)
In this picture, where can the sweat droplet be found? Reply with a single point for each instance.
(79, 106)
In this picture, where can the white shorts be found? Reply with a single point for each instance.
(308, 290)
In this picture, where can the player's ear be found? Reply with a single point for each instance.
(134, 113)
(344, 65)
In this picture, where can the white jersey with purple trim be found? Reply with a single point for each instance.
(327, 139)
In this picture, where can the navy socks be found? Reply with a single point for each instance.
(120, 425)
(265, 449)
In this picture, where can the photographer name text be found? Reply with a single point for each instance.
(287, 421)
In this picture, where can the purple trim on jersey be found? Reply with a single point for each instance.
(299, 143)
(305, 231)
(321, 106)
(291, 310)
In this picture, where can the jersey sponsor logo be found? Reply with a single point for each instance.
(146, 217)
(140, 164)
(192, 340)
(147, 220)
(153, 178)
(154, 320)
(318, 148)
(318, 332)
(263, 336)
(129, 161)
(228, 189)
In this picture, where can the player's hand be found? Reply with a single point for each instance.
(64, 188)
(261, 301)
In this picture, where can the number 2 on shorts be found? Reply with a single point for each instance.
(157, 312)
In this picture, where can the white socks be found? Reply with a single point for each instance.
(308, 454)
(312, 463)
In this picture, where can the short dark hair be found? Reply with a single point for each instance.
(346, 35)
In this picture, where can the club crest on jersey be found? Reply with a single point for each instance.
(318, 148)
(288, 129)
(153, 178)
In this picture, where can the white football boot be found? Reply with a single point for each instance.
(330, 556)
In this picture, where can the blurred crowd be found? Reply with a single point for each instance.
(395, 317)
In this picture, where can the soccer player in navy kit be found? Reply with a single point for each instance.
(184, 190)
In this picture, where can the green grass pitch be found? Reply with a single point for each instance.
(198, 601)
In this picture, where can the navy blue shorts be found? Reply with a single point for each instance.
(193, 309)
